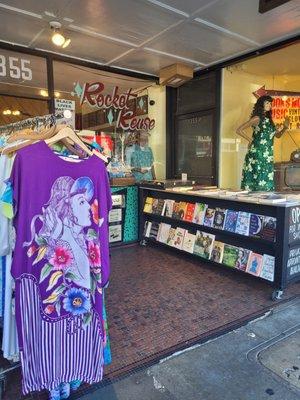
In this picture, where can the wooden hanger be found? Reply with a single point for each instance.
(68, 133)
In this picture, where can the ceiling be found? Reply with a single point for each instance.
(146, 35)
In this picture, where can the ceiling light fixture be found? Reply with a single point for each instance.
(16, 112)
(6, 112)
(43, 93)
(57, 37)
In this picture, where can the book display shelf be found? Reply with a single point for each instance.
(260, 240)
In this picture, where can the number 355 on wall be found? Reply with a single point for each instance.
(15, 68)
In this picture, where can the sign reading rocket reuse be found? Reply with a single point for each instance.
(92, 93)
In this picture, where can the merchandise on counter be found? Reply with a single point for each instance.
(217, 252)
(189, 242)
(255, 264)
(243, 223)
(204, 244)
(268, 268)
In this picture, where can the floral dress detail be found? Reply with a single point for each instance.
(258, 170)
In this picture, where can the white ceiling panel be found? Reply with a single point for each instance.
(83, 46)
(242, 17)
(186, 6)
(144, 61)
(198, 42)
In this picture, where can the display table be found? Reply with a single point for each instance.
(284, 247)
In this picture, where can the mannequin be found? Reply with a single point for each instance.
(258, 169)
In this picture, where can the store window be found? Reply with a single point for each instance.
(126, 114)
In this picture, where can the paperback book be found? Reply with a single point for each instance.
(176, 207)
(268, 231)
(168, 208)
(163, 233)
(157, 206)
(243, 258)
(209, 217)
(147, 228)
(171, 237)
(199, 213)
(190, 209)
(179, 236)
(115, 233)
(268, 268)
(182, 210)
(148, 205)
(256, 224)
(154, 230)
(243, 223)
(231, 220)
(219, 218)
(204, 244)
(217, 252)
(230, 255)
(189, 242)
(255, 264)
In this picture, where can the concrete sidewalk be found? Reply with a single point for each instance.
(258, 361)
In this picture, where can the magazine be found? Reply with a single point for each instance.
(209, 217)
(243, 223)
(268, 268)
(268, 231)
(199, 213)
(230, 255)
(190, 208)
(255, 264)
(178, 239)
(217, 252)
(219, 218)
(243, 258)
(189, 242)
(231, 220)
(204, 244)
(256, 224)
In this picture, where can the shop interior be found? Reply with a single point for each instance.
(161, 300)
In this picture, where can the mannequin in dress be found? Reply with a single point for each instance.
(258, 169)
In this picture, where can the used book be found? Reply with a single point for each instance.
(189, 242)
(255, 264)
(243, 223)
(179, 236)
(268, 231)
(219, 218)
(147, 228)
(199, 213)
(148, 205)
(182, 210)
(217, 252)
(171, 237)
(268, 268)
(154, 230)
(163, 232)
(230, 255)
(168, 208)
(204, 244)
(231, 220)
(256, 224)
(190, 208)
(157, 206)
(115, 233)
(243, 258)
(176, 207)
(209, 217)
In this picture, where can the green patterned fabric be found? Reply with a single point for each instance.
(258, 170)
(130, 231)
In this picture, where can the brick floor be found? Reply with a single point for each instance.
(159, 301)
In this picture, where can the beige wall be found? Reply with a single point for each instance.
(157, 139)
(237, 103)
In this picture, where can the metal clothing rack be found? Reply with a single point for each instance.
(49, 119)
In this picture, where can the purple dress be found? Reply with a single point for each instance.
(60, 264)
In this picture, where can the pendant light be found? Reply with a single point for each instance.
(57, 37)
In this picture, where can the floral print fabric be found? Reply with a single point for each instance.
(258, 170)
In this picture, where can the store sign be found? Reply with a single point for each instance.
(15, 68)
(67, 109)
(293, 263)
(294, 225)
(92, 93)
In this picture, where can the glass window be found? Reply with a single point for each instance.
(195, 146)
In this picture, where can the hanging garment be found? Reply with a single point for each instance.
(258, 170)
(60, 264)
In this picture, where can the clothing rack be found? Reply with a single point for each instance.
(49, 119)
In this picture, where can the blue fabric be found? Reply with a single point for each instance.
(142, 159)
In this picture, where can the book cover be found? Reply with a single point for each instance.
(231, 220)
(179, 236)
(189, 214)
(204, 244)
(175, 213)
(115, 215)
(268, 231)
(189, 242)
(163, 234)
(256, 224)
(199, 213)
(217, 252)
(219, 218)
(243, 223)
(148, 205)
(230, 255)
(147, 228)
(268, 268)
(157, 206)
(255, 264)
(154, 230)
(117, 200)
(115, 233)
(171, 237)
(209, 217)
(243, 258)
(168, 208)
(182, 209)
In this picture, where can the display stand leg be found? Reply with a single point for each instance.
(143, 242)
(2, 386)
(277, 294)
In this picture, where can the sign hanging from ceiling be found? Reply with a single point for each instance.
(93, 95)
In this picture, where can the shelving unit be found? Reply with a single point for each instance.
(286, 248)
